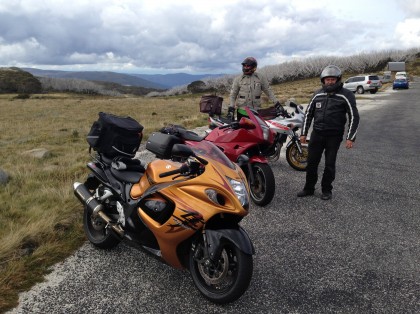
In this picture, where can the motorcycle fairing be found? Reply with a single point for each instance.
(278, 126)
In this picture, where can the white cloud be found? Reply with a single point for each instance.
(408, 33)
(197, 36)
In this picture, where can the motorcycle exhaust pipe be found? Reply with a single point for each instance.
(86, 198)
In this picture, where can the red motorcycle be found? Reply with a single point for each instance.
(285, 125)
(251, 137)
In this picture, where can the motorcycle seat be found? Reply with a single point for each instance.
(191, 136)
(187, 135)
(127, 175)
(225, 120)
(125, 169)
(182, 133)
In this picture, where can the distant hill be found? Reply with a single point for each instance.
(105, 76)
(176, 79)
(14, 80)
(155, 81)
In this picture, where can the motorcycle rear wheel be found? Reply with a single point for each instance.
(225, 280)
(296, 160)
(97, 233)
(263, 188)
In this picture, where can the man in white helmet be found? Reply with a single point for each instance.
(248, 87)
(328, 110)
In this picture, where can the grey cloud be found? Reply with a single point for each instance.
(172, 38)
(411, 8)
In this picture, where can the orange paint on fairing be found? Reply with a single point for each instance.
(192, 205)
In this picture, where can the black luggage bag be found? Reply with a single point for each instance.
(114, 135)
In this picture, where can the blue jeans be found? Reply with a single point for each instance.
(318, 145)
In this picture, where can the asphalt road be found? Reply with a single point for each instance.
(358, 253)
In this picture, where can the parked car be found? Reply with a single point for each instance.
(386, 78)
(402, 74)
(362, 83)
(400, 83)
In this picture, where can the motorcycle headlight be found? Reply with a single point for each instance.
(240, 191)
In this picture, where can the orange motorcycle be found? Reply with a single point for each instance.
(185, 210)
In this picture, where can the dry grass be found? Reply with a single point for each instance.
(40, 219)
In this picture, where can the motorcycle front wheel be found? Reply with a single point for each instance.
(224, 280)
(263, 188)
(97, 233)
(295, 159)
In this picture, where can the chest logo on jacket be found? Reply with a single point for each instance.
(318, 105)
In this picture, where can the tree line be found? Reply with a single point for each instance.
(305, 68)
(15, 80)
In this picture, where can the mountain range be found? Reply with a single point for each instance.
(155, 81)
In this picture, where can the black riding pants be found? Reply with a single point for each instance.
(318, 145)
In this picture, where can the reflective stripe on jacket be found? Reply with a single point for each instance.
(328, 112)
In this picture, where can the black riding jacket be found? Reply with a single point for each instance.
(328, 110)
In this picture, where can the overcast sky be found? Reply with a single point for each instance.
(197, 36)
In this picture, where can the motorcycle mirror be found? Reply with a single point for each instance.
(184, 151)
(181, 150)
(246, 124)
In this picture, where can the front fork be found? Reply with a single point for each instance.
(295, 139)
(203, 258)
(251, 176)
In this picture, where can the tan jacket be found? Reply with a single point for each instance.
(247, 89)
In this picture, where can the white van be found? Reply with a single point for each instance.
(402, 74)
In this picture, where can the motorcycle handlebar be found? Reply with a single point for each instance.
(202, 160)
(284, 114)
(183, 169)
